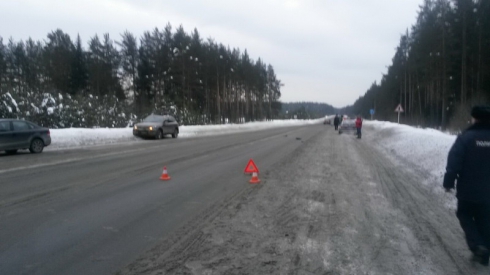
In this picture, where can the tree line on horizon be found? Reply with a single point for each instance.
(440, 69)
(59, 83)
(306, 110)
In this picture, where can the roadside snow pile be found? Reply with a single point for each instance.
(209, 130)
(426, 148)
(79, 137)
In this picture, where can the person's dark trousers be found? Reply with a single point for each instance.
(358, 132)
(475, 221)
(336, 127)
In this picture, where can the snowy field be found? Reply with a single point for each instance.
(426, 149)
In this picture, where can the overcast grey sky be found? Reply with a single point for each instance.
(327, 51)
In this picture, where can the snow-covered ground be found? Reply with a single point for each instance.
(425, 148)
(350, 206)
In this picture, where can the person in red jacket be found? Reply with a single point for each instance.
(358, 126)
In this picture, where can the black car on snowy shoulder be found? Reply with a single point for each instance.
(18, 134)
(157, 126)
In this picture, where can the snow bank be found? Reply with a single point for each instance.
(79, 137)
(426, 148)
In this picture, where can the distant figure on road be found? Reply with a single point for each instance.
(468, 163)
(358, 126)
(336, 121)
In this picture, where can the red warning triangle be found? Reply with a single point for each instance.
(251, 167)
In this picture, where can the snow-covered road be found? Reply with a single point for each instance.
(335, 205)
(423, 148)
(339, 206)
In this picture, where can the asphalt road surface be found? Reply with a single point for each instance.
(327, 204)
(92, 211)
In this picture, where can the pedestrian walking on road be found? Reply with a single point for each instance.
(336, 121)
(468, 164)
(359, 126)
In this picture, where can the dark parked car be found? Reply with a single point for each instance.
(157, 127)
(20, 134)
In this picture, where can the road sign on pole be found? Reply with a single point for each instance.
(372, 113)
(399, 110)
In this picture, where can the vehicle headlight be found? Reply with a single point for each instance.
(151, 128)
(135, 127)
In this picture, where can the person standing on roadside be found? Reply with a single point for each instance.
(358, 126)
(336, 121)
(468, 164)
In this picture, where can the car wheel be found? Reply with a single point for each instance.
(175, 133)
(159, 134)
(37, 146)
(11, 152)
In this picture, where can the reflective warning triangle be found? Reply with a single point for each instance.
(251, 167)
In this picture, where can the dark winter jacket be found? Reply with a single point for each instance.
(469, 163)
(336, 120)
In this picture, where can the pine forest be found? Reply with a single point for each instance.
(59, 83)
(440, 69)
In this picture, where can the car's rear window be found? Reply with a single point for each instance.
(20, 125)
